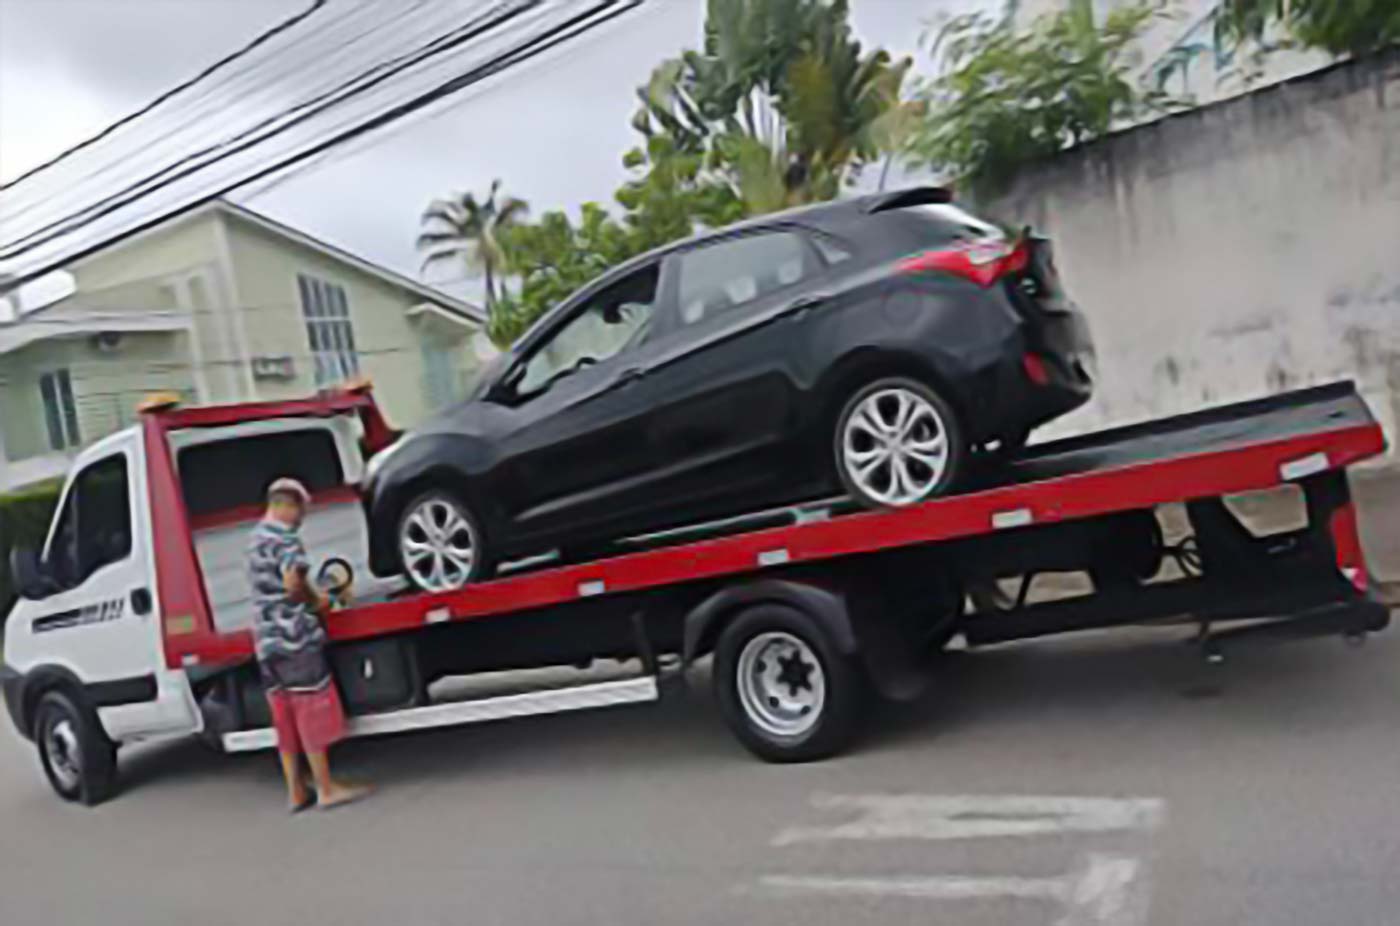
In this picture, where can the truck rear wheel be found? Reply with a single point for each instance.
(784, 688)
(78, 758)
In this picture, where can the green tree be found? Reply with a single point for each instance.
(780, 100)
(1006, 97)
(552, 258)
(1339, 26)
(465, 229)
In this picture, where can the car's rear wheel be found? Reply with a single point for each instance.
(440, 543)
(898, 443)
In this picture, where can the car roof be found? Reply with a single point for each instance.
(820, 216)
(825, 216)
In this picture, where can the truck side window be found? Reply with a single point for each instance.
(95, 527)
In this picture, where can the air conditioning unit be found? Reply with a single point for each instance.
(107, 342)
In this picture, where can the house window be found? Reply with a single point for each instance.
(442, 380)
(328, 329)
(60, 413)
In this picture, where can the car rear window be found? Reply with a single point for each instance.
(236, 472)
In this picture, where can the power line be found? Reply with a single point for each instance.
(223, 62)
(294, 116)
(596, 15)
(197, 104)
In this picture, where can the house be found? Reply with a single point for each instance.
(220, 304)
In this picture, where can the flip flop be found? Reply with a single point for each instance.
(308, 801)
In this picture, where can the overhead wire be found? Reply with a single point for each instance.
(596, 15)
(186, 114)
(290, 117)
(259, 40)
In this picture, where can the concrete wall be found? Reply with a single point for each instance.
(1239, 249)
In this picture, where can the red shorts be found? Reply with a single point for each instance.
(307, 721)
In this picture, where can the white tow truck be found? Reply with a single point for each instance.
(133, 620)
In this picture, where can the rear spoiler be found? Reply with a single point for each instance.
(915, 196)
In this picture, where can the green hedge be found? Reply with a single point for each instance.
(24, 521)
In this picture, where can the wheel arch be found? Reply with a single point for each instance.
(390, 507)
(38, 682)
(705, 621)
(870, 364)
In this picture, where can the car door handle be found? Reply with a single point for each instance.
(804, 304)
(141, 601)
(629, 376)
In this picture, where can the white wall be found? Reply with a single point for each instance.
(1238, 249)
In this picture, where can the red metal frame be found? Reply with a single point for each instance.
(187, 628)
(190, 636)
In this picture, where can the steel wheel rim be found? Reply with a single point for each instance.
(781, 683)
(64, 752)
(438, 545)
(894, 446)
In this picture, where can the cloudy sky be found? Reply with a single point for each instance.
(553, 131)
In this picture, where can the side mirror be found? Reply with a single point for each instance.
(28, 574)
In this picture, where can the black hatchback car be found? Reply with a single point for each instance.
(863, 346)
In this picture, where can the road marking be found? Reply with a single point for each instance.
(1105, 890)
(944, 817)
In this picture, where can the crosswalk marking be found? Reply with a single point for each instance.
(1104, 891)
(944, 817)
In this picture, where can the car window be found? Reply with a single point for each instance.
(831, 250)
(94, 529)
(603, 326)
(719, 277)
(236, 472)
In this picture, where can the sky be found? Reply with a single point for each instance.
(552, 131)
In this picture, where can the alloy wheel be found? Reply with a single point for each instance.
(895, 447)
(438, 544)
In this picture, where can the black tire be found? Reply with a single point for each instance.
(948, 419)
(79, 760)
(845, 687)
(482, 564)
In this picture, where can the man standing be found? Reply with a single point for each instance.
(291, 647)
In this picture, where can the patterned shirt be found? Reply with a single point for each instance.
(282, 627)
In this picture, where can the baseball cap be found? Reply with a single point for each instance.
(288, 486)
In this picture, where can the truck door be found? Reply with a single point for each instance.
(99, 619)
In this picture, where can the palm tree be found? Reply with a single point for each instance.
(780, 97)
(467, 229)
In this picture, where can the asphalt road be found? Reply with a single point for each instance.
(1108, 778)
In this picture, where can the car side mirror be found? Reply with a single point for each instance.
(27, 571)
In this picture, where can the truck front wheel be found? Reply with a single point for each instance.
(78, 758)
(784, 688)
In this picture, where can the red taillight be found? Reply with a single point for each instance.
(981, 262)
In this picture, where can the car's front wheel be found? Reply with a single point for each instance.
(898, 443)
(440, 543)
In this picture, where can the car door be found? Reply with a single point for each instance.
(576, 457)
(725, 375)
